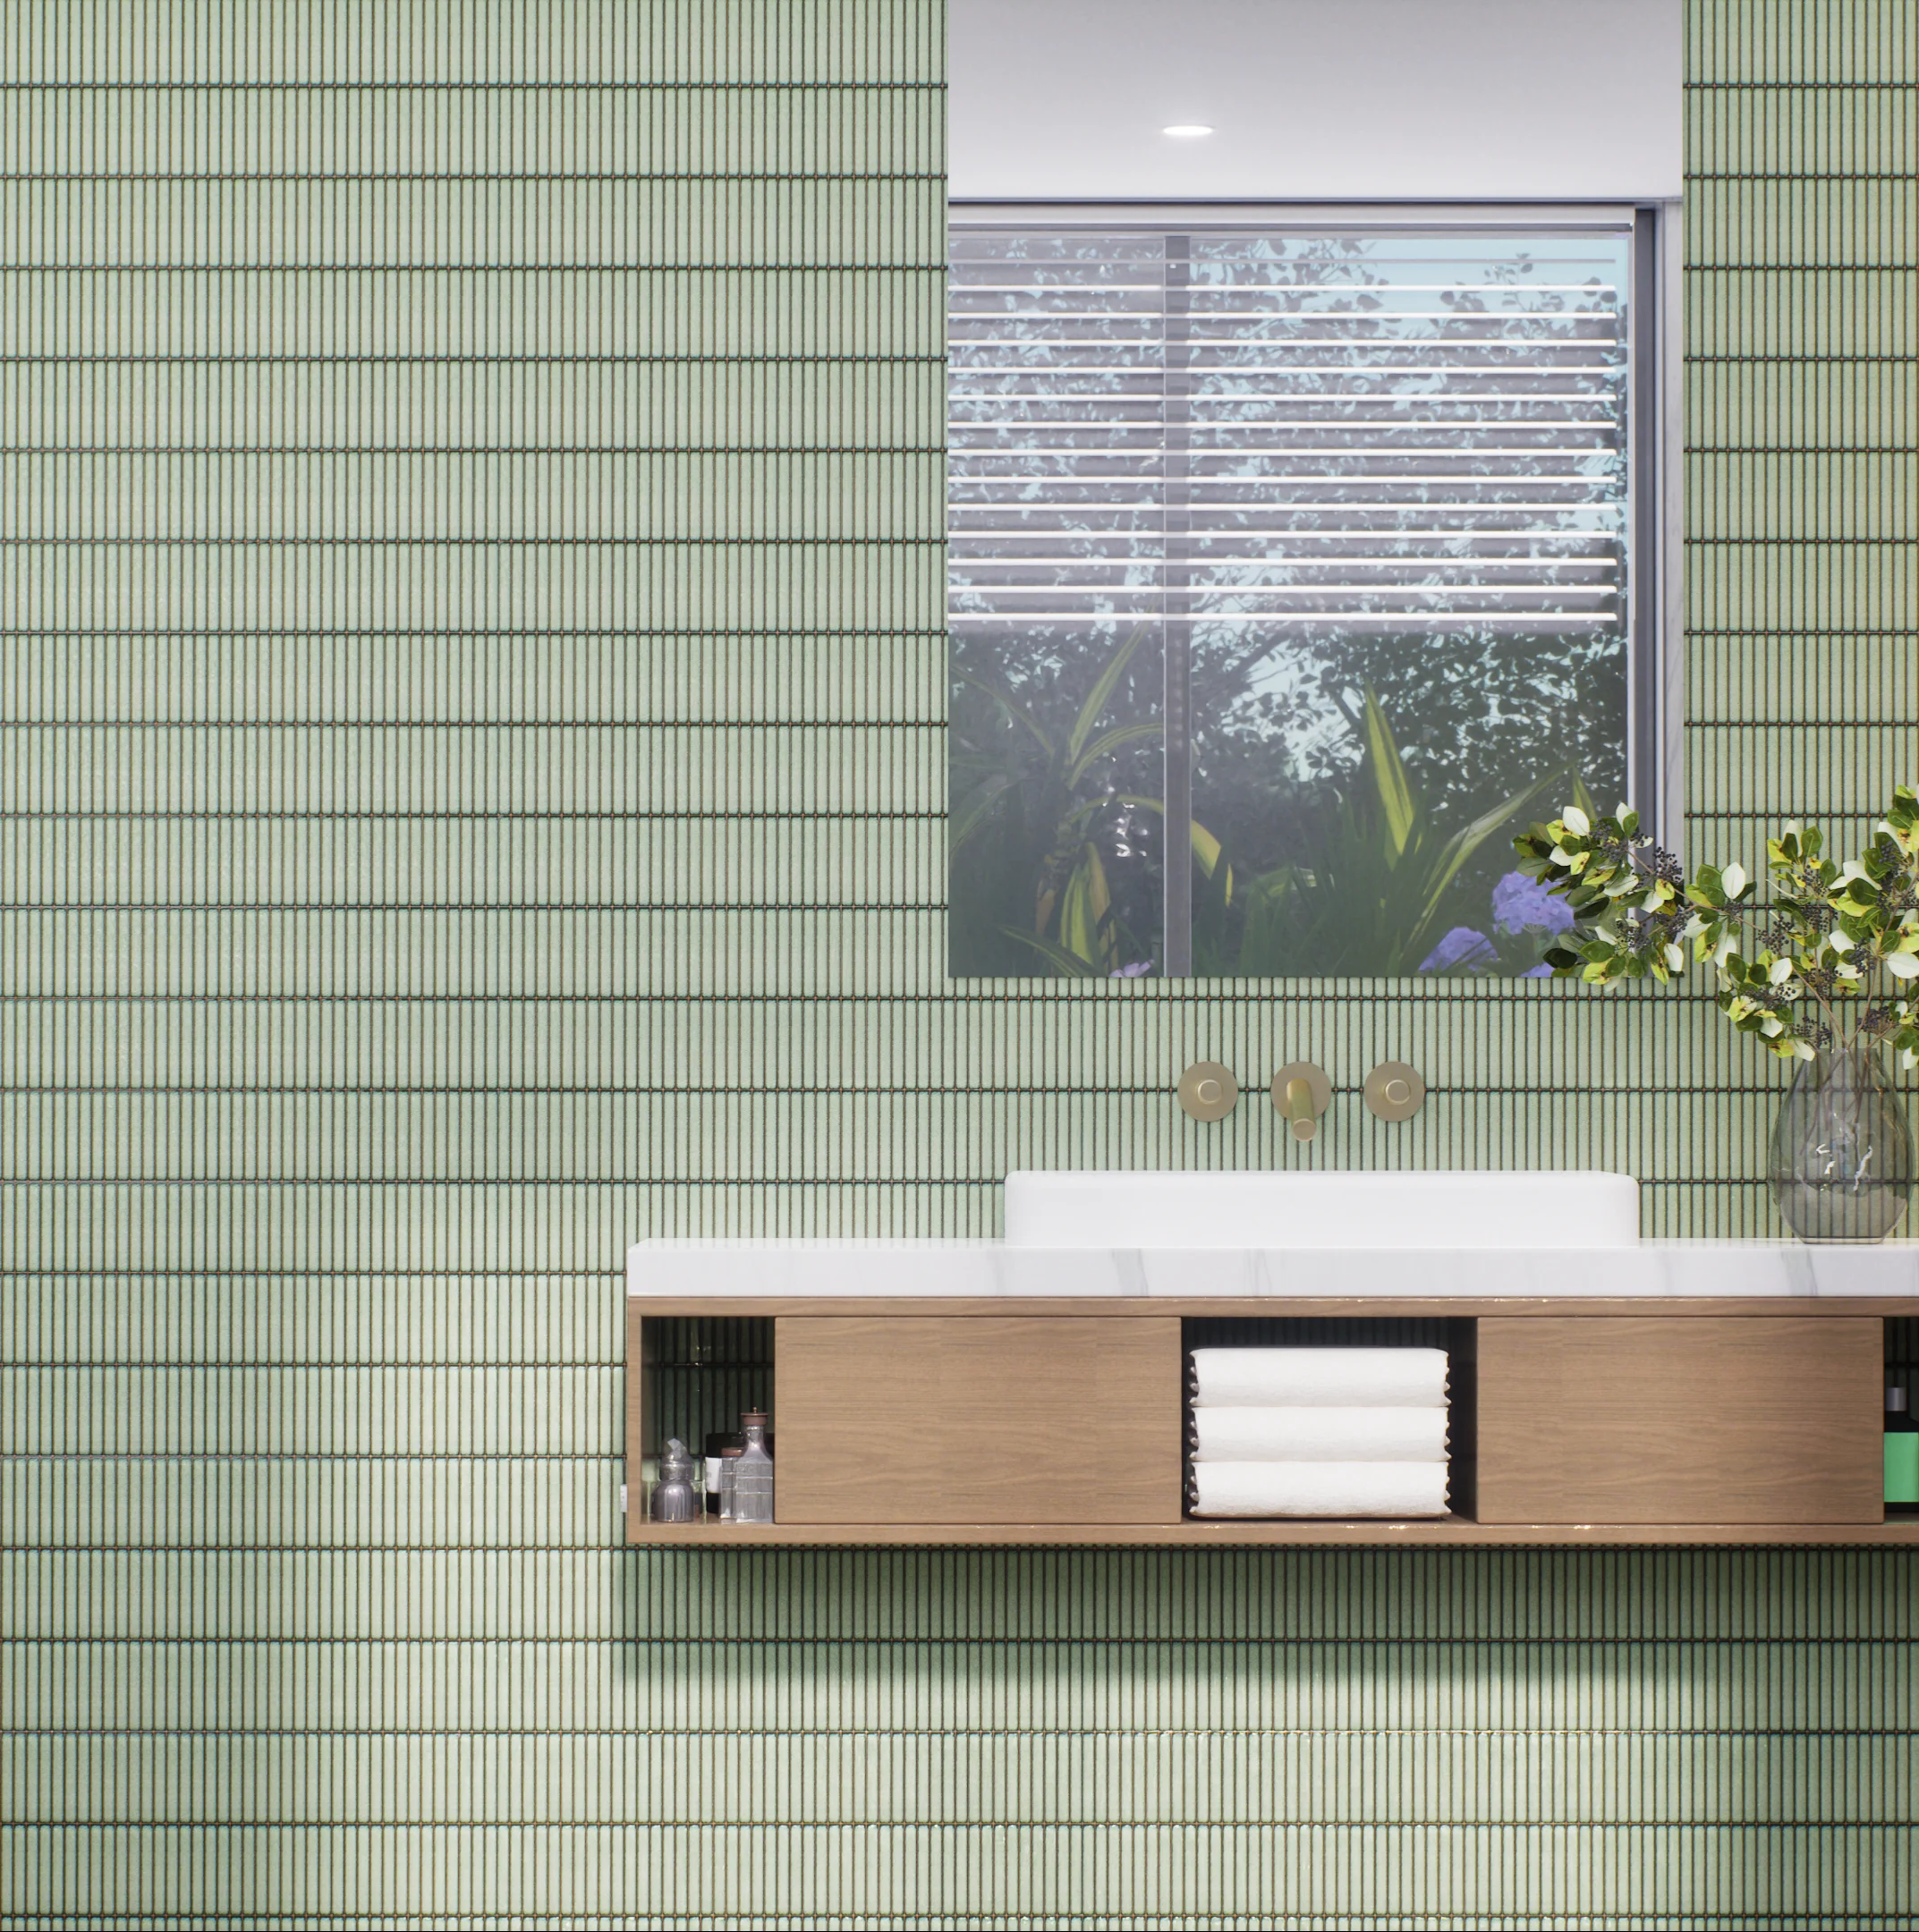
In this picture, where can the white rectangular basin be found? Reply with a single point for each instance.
(1285, 1211)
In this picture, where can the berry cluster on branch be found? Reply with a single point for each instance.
(1788, 971)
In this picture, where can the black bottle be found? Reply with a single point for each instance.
(722, 1447)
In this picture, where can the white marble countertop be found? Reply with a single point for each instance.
(696, 1269)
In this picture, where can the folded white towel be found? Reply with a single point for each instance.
(1319, 1434)
(1317, 1488)
(1318, 1378)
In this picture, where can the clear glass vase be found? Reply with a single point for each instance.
(1841, 1164)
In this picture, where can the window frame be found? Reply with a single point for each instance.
(1655, 503)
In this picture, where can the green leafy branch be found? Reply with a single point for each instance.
(1830, 930)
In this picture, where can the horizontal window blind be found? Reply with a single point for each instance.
(1424, 433)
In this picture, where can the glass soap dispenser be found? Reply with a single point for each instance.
(752, 1472)
(673, 1497)
(1902, 1449)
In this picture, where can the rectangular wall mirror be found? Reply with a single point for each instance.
(1293, 565)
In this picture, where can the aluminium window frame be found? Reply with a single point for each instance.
(1655, 486)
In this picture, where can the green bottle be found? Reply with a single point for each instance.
(1902, 1449)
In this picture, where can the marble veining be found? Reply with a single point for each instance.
(717, 1269)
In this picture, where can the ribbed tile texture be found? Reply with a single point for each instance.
(472, 702)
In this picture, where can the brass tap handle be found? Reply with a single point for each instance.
(1302, 1093)
(1395, 1091)
(1207, 1090)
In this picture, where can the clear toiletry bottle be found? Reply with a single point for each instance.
(752, 1472)
(1902, 1449)
(675, 1498)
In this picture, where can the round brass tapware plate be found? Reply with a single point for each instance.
(1207, 1090)
(1395, 1091)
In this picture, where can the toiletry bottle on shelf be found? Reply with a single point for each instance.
(1902, 1449)
(752, 1472)
(722, 1451)
(674, 1499)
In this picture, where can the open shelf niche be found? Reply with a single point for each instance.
(698, 1373)
(1456, 1337)
(1902, 1371)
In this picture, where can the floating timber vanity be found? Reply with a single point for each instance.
(1018, 1416)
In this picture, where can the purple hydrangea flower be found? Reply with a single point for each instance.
(1519, 902)
(1462, 947)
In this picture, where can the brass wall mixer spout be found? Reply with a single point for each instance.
(1301, 1092)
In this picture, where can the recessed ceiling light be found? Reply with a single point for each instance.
(1187, 130)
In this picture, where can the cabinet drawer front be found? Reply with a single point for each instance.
(1679, 1419)
(977, 1419)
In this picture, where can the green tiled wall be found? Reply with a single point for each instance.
(471, 689)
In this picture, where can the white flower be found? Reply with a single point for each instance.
(1902, 966)
(1908, 1059)
(1772, 1026)
(1782, 971)
(1849, 872)
(1733, 878)
(1575, 822)
(1727, 945)
(1803, 1050)
(1840, 941)
(1844, 972)
(1693, 927)
(1675, 958)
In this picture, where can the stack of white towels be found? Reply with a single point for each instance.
(1317, 1432)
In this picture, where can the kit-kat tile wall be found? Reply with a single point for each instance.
(471, 698)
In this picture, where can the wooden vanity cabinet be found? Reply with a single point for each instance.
(1062, 1421)
(951, 1419)
(1611, 1419)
